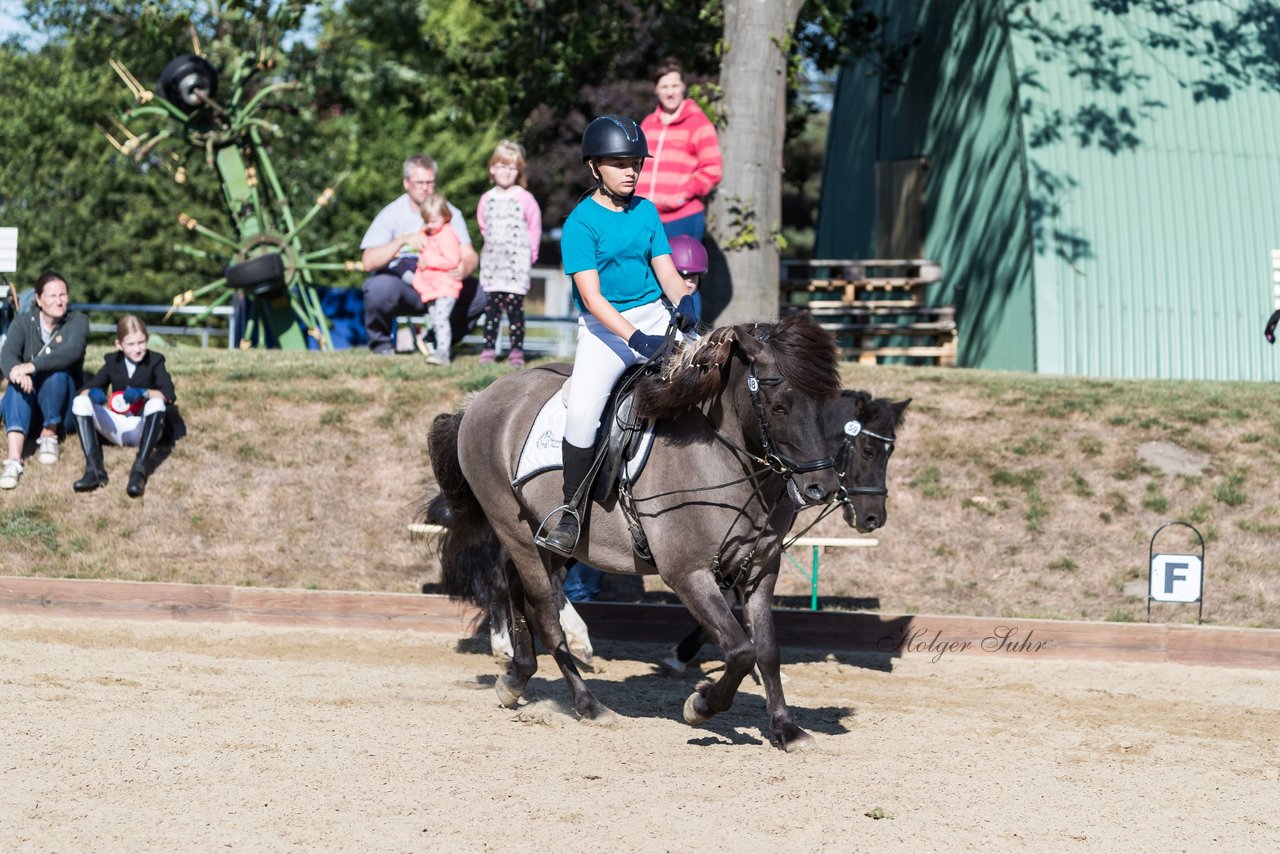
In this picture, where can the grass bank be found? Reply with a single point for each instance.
(1011, 494)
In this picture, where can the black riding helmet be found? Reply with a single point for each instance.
(612, 136)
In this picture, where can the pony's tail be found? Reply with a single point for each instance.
(469, 548)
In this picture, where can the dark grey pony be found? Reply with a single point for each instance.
(739, 444)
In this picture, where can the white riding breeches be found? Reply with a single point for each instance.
(116, 428)
(601, 358)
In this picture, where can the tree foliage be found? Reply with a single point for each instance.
(379, 80)
(80, 208)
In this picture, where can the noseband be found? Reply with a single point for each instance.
(778, 462)
(852, 429)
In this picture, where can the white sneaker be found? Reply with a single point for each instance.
(47, 450)
(9, 477)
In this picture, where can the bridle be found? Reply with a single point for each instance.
(852, 429)
(778, 462)
(774, 462)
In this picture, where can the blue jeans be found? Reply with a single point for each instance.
(693, 225)
(582, 582)
(51, 393)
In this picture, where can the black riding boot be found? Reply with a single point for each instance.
(95, 473)
(577, 465)
(152, 425)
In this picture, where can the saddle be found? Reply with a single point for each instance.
(622, 448)
(623, 438)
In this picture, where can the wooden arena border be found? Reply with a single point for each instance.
(931, 636)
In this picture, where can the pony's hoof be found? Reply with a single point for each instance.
(672, 666)
(691, 714)
(795, 740)
(508, 698)
(603, 716)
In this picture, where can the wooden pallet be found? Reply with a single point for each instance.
(943, 355)
(872, 268)
(937, 329)
(871, 305)
(869, 313)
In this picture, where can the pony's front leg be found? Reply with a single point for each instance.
(758, 608)
(702, 596)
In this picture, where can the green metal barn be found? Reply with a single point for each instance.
(1100, 180)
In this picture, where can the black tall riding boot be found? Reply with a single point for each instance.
(95, 473)
(577, 465)
(152, 425)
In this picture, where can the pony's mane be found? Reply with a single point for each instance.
(804, 354)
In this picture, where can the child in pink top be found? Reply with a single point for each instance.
(441, 252)
(511, 223)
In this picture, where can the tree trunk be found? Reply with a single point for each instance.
(745, 213)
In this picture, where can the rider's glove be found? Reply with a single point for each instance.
(645, 345)
(132, 395)
(1270, 331)
(686, 316)
(98, 396)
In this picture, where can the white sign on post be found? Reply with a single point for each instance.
(8, 250)
(1177, 578)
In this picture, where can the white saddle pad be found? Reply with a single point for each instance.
(541, 451)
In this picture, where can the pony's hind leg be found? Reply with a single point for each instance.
(524, 661)
(538, 590)
(682, 653)
(758, 608)
(575, 629)
(500, 630)
(500, 610)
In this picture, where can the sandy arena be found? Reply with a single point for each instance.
(134, 736)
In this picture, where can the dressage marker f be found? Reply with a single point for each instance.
(1174, 577)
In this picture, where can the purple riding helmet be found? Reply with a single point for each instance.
(689, 255)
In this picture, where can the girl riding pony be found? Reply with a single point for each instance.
(615, 249)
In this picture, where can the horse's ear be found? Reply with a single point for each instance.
(900, 408)
(860, 399)
(747, 340)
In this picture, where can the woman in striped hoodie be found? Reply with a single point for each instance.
(686, 162)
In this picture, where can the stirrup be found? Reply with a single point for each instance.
(540, 538)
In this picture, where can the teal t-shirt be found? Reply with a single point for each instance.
(619, 245)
